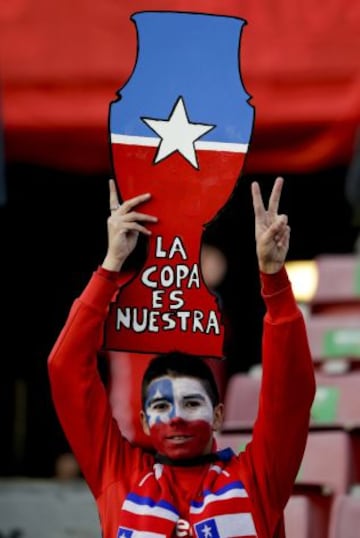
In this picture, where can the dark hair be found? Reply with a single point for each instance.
(176, 364)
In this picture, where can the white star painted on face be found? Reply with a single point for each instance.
(177, 133)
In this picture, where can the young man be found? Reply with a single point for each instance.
(187, 487)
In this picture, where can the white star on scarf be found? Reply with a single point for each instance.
(207, 531)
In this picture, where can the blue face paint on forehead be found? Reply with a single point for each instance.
(160, 388)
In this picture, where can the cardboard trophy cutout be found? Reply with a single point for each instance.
(180, 130)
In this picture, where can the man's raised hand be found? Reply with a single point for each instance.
(124, 225)
(272, 232)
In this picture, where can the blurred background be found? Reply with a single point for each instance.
(61, 65)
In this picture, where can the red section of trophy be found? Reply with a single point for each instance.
(167, 305)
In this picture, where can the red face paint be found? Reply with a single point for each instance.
(182, 439)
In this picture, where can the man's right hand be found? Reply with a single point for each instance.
(124, 226)
(272, 232)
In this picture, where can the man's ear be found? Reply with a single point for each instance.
(218, 416)
(144, 423)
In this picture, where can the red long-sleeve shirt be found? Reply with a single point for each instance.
(111, 466)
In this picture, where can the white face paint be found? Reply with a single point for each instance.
(181, 397)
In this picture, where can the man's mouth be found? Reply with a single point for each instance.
(178, 437)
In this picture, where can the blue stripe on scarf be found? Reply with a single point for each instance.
(225, 454)
(147, 501)
(233, 485)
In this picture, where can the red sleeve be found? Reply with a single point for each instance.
(79, 396)
(279, 437)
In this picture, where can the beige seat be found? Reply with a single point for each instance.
(334, 336)
(338, 288)
(337, 400)
(326, 471)
(299, 520)
(241, 402)
(327, 462)
(345, 517)
(236, 441)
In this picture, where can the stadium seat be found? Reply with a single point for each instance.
(325, 472)
(345, 517)
(334, 336)
(338, 288)
(236, 441)
(337, 400)
(299, 521)
(327, 463)
(241, 402)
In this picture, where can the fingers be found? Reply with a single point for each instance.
(131, 221)
(135, 227)
(114, 200)
(129, 204)
(134, 216)
(123, 216)
(280, 231)
(258, 204)
(275, 196)
(274, 200)
(282, 240)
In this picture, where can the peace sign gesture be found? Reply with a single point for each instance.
(272, 232)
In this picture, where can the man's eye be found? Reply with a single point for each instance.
(160, 406)
(192, 403)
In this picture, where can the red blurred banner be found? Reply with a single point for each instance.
(62, 62)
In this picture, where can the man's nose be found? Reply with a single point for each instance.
(176, 419)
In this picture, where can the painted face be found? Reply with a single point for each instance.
(180, 416)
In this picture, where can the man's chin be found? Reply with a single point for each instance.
(181, 450)
(182, 444)
(181, 454)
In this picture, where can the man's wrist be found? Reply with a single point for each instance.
(270, 268)
(111, 264)
(274, 282)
